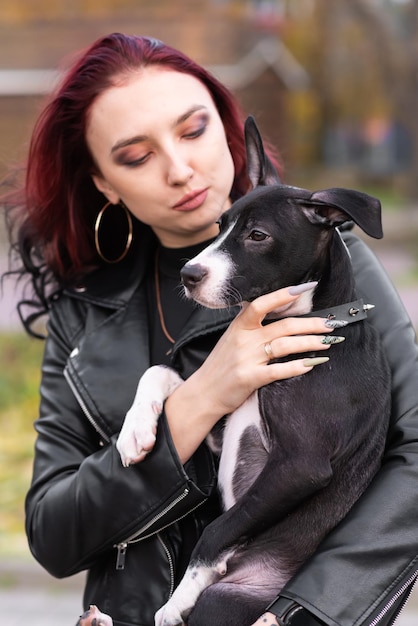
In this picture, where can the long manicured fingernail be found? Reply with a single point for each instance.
(335, 323)
(296, 290)
(330, 339)
(317, 360)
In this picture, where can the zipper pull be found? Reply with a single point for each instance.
(121, 556)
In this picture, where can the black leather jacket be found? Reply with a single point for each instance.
(133, 529)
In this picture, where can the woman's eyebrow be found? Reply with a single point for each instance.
(189, 112)
(127, 142)
(123, 143)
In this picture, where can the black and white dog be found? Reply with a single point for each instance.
(297, 454)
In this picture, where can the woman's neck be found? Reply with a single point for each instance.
(179, 240)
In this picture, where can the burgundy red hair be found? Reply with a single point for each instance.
(59, 203)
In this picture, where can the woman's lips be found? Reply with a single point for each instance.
(192, 200)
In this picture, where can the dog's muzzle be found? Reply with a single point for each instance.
(206, 279)
(192, 275)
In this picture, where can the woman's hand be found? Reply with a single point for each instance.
(267, 619)
(94, 617)
(239, 364)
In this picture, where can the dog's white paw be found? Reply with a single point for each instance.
(168, 615)
(137, 437)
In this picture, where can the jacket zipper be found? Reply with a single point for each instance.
(84, 408)
(394, 598)
(170, 564)
(137, 536)
(123, 545)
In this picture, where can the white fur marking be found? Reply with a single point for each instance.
(245, 416)
(220, 267)
(298, 307)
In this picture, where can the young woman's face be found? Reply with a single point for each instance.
(160, 146)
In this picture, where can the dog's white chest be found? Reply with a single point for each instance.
(244, 451)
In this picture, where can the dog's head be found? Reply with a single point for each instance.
(273, 237)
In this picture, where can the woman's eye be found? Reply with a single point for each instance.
(195, 133)
(196, 126)
(131, 160)
(137, 162)
(257, 235)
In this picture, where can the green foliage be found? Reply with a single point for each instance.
(20, 360)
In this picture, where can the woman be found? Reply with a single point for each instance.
(138, 130)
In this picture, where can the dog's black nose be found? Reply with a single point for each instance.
(192, 275)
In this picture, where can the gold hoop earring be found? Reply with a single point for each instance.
(96, 234)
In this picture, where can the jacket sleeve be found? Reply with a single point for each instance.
(82, 501)
(362, 567)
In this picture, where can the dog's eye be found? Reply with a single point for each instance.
(257, 235)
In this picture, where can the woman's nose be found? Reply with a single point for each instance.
(179, 172)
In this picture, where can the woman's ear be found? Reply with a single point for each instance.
(105, 188)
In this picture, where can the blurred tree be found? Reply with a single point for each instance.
(364, 63)
(394, 43)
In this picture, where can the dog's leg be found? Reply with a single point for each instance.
(197, 578)
(137, 437)
(266, 502)
(236, 599)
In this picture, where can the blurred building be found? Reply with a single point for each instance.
(238, 41)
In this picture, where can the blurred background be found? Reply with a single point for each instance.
(333, 85)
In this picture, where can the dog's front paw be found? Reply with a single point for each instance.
(168, 615)
(137, 437)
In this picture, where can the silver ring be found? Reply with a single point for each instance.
(268, 350)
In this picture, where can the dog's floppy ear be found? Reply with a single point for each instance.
(336, 206)
(261, 170)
